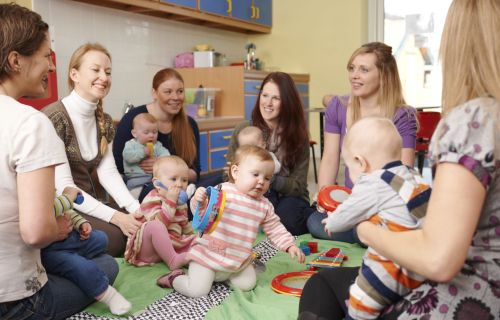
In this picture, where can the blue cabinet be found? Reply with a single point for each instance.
(254, 11)
(213, 149)
(220, 7)
(184, 3)
(263, 12)
(204, 152)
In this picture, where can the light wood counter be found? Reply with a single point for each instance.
(217, 123)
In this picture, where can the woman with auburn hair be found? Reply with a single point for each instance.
(29, 154)
(177, 131)
(375, 91)
(457, 248)
(88, 132)
(279, 113)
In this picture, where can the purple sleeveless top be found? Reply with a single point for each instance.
(405, 121)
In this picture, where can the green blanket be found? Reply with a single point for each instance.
(138, 285)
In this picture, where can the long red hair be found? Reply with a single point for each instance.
(183, 138)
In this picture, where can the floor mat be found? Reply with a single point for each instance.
(138, 284)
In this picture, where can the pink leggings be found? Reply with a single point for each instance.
(157, 246)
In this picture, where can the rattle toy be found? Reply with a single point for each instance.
(291, 283)
(183, 197)
(79, 198)
(330, 197)
(150, 147)
(205, 222)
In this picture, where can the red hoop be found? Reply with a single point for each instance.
(278, 283)
(325, 199)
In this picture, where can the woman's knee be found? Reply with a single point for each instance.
(314, 224)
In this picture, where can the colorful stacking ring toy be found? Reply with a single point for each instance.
(291, 283)
(205, 222)
(330, 197)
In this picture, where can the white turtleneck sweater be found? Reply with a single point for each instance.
(82, 115)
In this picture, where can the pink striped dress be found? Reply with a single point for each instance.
(229, 247)
(175, 218)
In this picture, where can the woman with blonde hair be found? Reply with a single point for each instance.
(457, 248)
(88, 133)
(375, 91)
(177, 132)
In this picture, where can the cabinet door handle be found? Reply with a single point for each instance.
(226, 137)
(229, 6)
(258, 87)
(258, 12)
(253, 12)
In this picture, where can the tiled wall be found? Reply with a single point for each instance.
(139, 45)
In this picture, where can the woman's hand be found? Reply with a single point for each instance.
(64, 227)
(127, 223)
(364, 230)
(147, 165)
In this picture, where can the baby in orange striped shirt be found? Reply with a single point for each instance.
(387, 193)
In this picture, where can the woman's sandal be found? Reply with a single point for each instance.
(166, 280)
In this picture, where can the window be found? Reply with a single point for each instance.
(413, 30)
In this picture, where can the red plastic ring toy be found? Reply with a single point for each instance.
(300, 277)
(330, 197)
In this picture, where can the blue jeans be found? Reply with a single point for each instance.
(58, 299)
(70, 259)
(293, 211)
(317, 230)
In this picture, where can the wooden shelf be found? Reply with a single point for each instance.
(177, 13)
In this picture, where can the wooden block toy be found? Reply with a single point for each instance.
(313, 245)
(306, 250)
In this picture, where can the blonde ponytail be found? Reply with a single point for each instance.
(102, 126)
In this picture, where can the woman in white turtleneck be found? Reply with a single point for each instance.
(87, 133)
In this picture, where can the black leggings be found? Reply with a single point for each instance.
(325, 294)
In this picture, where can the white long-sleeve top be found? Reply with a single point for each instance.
(82, 115)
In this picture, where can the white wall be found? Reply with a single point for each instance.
(139, 45)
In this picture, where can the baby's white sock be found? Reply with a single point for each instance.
(115, 301)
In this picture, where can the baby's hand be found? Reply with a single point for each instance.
(85, 230)
(328, 232)
(295, 252)
(71, 193)
(200, 195)
(173, 193)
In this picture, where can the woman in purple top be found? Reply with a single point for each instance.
(375, 91)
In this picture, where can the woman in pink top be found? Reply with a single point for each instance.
(226, 253)
(375, 91)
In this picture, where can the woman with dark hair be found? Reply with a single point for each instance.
(279, 113)
(177, 131)
(29, 154)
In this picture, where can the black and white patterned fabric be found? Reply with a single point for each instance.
(175, 306)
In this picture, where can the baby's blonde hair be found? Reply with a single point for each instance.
(249, 150)
(374, 137)
(143, 117)
(250, 131)
(162, 161)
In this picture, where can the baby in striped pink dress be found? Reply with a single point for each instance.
(226, 253)
(166, 233)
